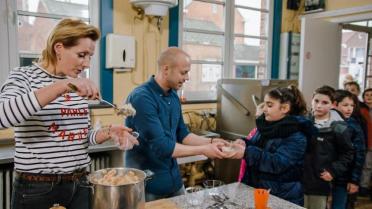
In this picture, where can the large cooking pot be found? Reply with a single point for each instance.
(130, 195)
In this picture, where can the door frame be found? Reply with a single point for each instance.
(340, 16)
(367, 30)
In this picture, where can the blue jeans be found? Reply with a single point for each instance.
(339, 197)
(151, 197)
(43, 195)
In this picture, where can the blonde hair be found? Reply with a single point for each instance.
(68, 32)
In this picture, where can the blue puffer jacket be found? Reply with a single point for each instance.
(275, 156)
(357, 139)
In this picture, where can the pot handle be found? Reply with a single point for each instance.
(88, 184)
(149, 174)
(92, 188)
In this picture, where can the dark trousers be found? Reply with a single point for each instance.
(351, 199)
(43, 195)
(339, 197)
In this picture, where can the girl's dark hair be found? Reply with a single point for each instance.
(342, 94)
(365, 91)
(326, 90)
(290, 95)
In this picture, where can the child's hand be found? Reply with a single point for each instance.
(239, 141)
(238, 151)
(352, 188)
(326, 176)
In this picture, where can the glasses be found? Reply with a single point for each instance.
(194, 197)
(208, 184)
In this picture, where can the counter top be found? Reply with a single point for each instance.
(7, 150)
(190, 159)
(240, 197)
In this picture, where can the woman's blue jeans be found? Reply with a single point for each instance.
(43, 195)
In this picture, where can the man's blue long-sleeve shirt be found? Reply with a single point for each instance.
(159, 122)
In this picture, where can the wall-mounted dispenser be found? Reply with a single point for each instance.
(155, 7)
(120, 51)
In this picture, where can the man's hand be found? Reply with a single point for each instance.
(213, 150)
(219, 140)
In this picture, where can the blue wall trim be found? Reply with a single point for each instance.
(289, 49)
(106, 26)
(173, 26)
(277, 25)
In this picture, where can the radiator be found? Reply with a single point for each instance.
(6, 181)
(99, 161)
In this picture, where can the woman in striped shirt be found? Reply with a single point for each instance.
(51, 122)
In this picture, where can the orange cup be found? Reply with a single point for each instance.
(261, 197)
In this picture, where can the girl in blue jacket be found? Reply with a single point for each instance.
(275, 154)
(346, 104)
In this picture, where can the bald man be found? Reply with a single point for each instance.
(163, 133)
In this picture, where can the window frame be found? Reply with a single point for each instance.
(228, 61)
(10, 26)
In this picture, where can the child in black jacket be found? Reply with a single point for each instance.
(329, 153)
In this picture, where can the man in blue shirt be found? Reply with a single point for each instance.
(163, 133)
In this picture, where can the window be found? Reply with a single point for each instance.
(31, 24)
(219, 49)
(360, 53)
(353, 57)
(245, 71)
(211, 73)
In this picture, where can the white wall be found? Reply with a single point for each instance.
(319, 55)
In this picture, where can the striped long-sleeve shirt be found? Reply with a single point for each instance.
(49, 139)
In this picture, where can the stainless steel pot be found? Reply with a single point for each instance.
(127, 196)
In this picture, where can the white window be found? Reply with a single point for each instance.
(225, 38)
(360, 53)
(29, 23)
(211, 73)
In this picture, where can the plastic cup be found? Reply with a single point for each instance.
(194, 200)
(127, 145)
(208, 184)
(194, 189)
(261, 197)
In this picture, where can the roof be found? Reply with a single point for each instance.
(246, 52)
(242, 51)
(202, 38)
